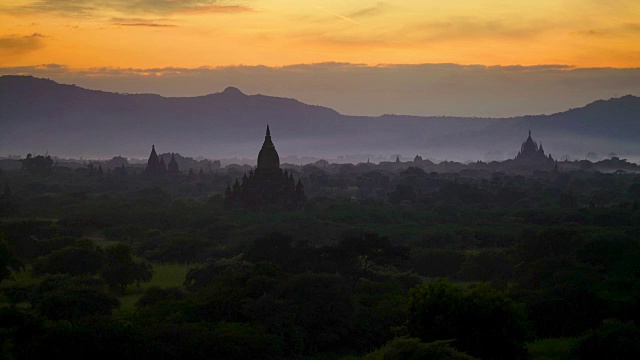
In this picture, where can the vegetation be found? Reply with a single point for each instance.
(380, 264)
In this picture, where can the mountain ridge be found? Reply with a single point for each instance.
(231, 123)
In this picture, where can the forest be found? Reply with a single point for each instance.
(381, 263)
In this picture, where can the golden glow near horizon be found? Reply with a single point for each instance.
(85, 34)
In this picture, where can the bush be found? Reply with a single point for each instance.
(613, 339)
(413, 348)
(483, 321)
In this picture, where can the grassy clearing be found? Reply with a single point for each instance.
(552, 349)
(169, 275)
(164, 275)
(101, 242)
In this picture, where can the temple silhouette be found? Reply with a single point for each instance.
(156, 167)
(531, 152)
(268, 187)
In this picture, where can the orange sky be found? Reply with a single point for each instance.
(84, 34)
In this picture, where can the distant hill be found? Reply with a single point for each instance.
(38, 115)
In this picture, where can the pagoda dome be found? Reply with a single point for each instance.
(529, 148)
(268, 157)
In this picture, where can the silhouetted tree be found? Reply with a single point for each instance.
(120, 269)
(37, 165)
(79, 259)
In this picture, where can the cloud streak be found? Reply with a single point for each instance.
(342, 17)
(376, 9)
(154, 25)
(15, 45)
(89, 8)
(469, 27)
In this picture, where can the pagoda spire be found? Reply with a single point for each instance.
(153, 164)
(268, 156)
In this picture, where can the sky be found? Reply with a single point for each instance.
(358, 57)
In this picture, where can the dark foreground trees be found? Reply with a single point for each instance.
(613, 339)
(482, 321)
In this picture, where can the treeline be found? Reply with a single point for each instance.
(443, 267)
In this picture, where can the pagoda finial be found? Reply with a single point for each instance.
(529, 132)
(268, 132)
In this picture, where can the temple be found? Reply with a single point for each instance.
(268, 187)
(172, 167)
(531, 152)
(153, 168)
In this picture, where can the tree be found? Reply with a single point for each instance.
(8, 261)
(120, 269)
(613, 339)
(402, 193)
(483, 321)
(359, 254)
(323, 308)
(274, 247)
(39, 165)
(82, 258)
(62, 297)
(413, 348)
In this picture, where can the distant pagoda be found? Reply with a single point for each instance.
(157, 168)
(531, 152)
(172, 167)
(153, 168)
(268, 187)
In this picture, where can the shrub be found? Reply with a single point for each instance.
(483, 321)
(413, 348)
(613, 339)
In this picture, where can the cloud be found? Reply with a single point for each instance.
(14, 45)
(376, 9)
(345, 18)
(88, 8)
(625, 29)
(469, 27)
(146, 25)
(411, 33)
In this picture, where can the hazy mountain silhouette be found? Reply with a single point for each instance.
(41, 115)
